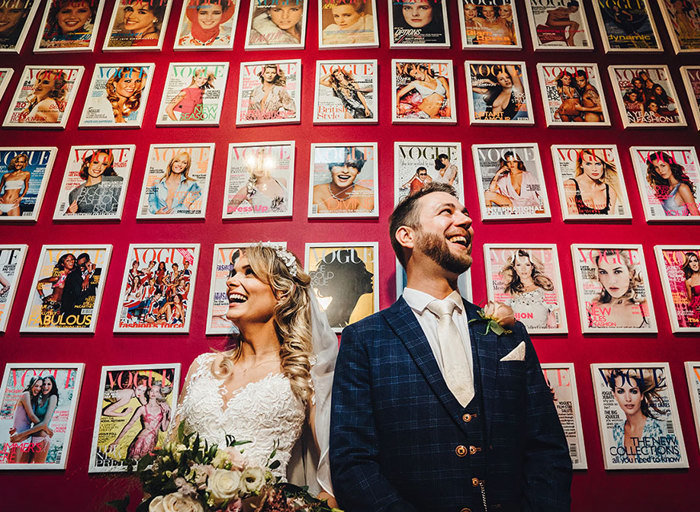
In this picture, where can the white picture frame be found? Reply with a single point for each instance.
(328, 100)
(92, 40)
(470, 40)
(538, 15)
(269, 31)
(28, 21)
(216, 43)
(474, 69)
(111, 43)
(330, 35)
(692, 373)
(14, 258)
(403, 80)
(692, 83)
(408, 30)
(250, 74)
(677, 289)
(47, 156)
(606, 37)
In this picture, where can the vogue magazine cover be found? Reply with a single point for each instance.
(138, 25)
(24, 173)
(207, 25)
(682, 19)
(11, 263)
(498, 93)
(646, 96)
(691, 80)
(225, 257)
(638, 416)
(69, 25)
(135, 408)
(94, 183)
(423, 92)
(346, 91)
(418, 24)
(5, 77)
(489, 24)
(527, 279)
(343, 180)
(269, 92)
(510, 181)
(260, 180)
(590, 181)
(692, 372)
(613, 289)
(275, 24)
(416, 164)
(669, 182)
(344, 277)
(627, 26)
(561, 380)
(19, 15)
(117, 96)
(193, 94)
(44, 97)
(67, 289)
(176, 181)
(558, 25)
(37, 413)
(572, 95)
(679, 270)
(347, 24)
(157, 288)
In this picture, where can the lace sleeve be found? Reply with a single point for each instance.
(201, 364)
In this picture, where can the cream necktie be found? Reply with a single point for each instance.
(454, 358)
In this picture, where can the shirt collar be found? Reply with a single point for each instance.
(418, 301)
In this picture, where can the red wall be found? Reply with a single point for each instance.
(74, 489)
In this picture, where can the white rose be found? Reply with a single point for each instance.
(252, 479)
(174, 502)
(223, 484)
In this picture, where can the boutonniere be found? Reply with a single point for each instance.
(498, 318)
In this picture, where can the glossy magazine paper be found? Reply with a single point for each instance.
(26, 172)
(279, 104)
(679, 270)
(558, 25)
(498, 93)
(627, 26)
(424, 91)
(11, 263)
(416, 164)
(489, 24)
(346, 91)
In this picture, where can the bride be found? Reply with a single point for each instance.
(277, 379)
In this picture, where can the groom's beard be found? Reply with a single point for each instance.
(438, 250)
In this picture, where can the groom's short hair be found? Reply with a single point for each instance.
(406, 214)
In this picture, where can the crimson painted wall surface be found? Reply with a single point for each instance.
(594, 489)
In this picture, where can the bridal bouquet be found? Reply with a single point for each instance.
(190, 475)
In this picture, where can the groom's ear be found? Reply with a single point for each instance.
(406, 236)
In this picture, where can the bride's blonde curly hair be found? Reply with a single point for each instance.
(292, 319)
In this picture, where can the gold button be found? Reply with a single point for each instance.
(475, 482)
(461, 450)
(473, 450)
(467, 418)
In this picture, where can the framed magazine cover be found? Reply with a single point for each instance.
(94, 183)
(26, 172)
(13, 40)
(499, 198)
(129, 31)
(117, 96)
(277, 25)
(526, 277)
(627, 26)
(67, 289)
(646, 96)
(692, 372)
(344, 180)
(281, 104)
(11, 264)
(613, 290)
(187, 165)
(634, 393)
(44, 97)
(561, 379)
(489, 24)
(343, 24)
(259, 180)
(572, 95)
(118, 438)
(682, 24)
(590, 182)
(492, 103)
(207, 25)
(424, 91)
(193, 94)
(225, 256)
(346, 92)
(418, 24)
(464, 282)
(22, 382)
(157, 289)
(691, 80)
(5, 77)
(679, 270)
(344, 277)
(69, 26)
(669, 182)
(416, 164)
(558, 25)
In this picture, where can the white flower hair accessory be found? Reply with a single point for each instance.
(286, 256)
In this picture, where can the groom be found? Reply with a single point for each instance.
(432, 412)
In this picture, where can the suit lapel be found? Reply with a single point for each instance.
(404, 323)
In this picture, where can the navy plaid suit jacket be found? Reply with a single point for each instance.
(395, 424)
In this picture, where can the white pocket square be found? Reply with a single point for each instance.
(517, 354)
